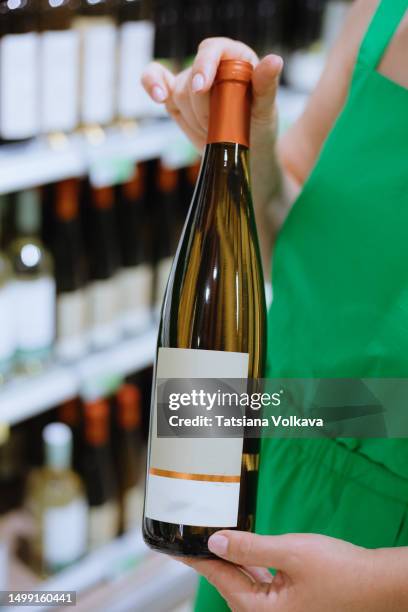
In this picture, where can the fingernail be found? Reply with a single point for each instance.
(158, 94)
(218, 544)
(198, 82)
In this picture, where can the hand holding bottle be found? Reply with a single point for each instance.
(186, 95)
(316, 573)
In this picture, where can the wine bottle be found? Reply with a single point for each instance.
(33, 286)
(97, 30)
(7, 329)
(18, 70)
(136, 274)
(136, 40)
(12, 468)
(213, 325)
(99, 475)
(70, 273)
(166, 210)
(129, 455)
(69, 413)
(59, 67)
(169, 41)
(56, 500)
(104, 261)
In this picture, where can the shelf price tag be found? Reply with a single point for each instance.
(105, 172)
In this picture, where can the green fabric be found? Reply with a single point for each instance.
(340, 309)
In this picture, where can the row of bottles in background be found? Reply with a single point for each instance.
(86, 265)
(87, 483)
(71, 63)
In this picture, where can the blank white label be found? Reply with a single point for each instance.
(184, 499)
(65, 533)
(103, 312)
(136, 51)
(59, 62)
(34, 303)
(98, 73)
(135, 286)
(18, 86)
(71, 324)
(103, 524)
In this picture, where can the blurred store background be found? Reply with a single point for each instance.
(95, 182)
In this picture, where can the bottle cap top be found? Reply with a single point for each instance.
(103, 197)
(96, 422)
(67, 199)
(234, 70)
(230, 103)
(129, 409)
(133, 189)
(57, 434)
(69, 413)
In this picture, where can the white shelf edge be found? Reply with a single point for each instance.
(26, 397)
(101, 566)
(33, 164)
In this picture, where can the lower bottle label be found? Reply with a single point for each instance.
(71, 325)
(135, 287)
(103, 524)
(65, 534)
(195, 481)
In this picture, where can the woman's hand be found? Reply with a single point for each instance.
(315, 574)
(186, 94)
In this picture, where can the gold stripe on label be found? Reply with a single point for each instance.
(201, 477)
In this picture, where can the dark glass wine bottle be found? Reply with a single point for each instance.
(70, 273)
(129, 455)
(99, 475)
(213, 325)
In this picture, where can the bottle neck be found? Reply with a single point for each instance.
(58, 456)
(230, 111)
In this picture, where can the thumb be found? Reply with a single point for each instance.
(242, 548)
(265, 81)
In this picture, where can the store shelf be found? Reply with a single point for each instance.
(26, 397)
(36, 163)
(122, 576)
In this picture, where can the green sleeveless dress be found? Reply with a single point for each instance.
(340, 309)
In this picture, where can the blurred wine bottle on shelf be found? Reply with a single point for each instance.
(59, 66)
(97, 28)
(98, 472)
(33, 286)
(129, 455)
(136, 44)
(230, 19)
(69, 413)
(12, 468)
(19, 74)
(7, 327)
(136, 274)
(70, 273)
(104, 262)
(267, 23)
(198, 24)
(169, 41)
(165, 238)
(56, 500)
